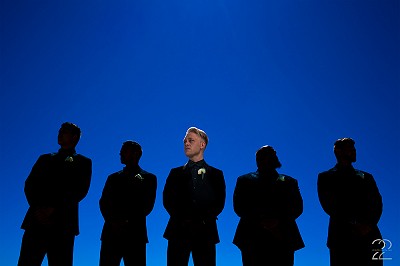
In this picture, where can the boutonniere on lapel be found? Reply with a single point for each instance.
(138, 176)
(69, 159)
(201, 172)
(360, 174)
(281, 178)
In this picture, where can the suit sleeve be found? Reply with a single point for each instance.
(240, 198)
(150, 193)
(221, 194)
(35, 189)
(371, 212)
(83, 179)
(294, 206)
(325, 195)
(170, 200)
(335, 203)
(105, 201)
(245, 204)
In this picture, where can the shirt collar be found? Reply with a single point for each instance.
(271, 175)
(190, 164)
(344, 168)
(133, 170)
(69, 152)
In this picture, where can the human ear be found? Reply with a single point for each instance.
(202, 145)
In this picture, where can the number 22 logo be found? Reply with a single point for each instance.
(386, 246)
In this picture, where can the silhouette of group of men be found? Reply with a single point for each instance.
(267, 202)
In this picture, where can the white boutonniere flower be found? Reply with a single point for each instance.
(360, 174)
(138, 176)
(201, 172)
(69, 159)
(281, 178)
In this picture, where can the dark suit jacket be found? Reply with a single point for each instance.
(187, 222)
(128, 197)
(58, 180)
(259, 197)
(349, 196)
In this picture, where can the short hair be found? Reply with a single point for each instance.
(72, 128)
(134, 146)
(340, 143)
(267, 151)
(198, 132)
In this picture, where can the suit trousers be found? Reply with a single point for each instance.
(114, 250)
(203, 253)
(261, 255)
(355, 257)
(37, 243)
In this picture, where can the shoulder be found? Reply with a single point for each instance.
(252, 176)
(83, 158)
(329, 178)
(214, 169)
(178, 169)
(249, 176)
(147, 174)
(286, 178)
(176, 172)
(47, 156)
(327, 173)
(115, 175)
(363, 174)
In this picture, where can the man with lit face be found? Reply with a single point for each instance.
(55, 186)
(194, 196)
(352, 200)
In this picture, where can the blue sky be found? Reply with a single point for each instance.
(296, 75)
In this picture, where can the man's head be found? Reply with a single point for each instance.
(345, 151)
(130, 153)
(69, 135)
(195, 142)
(267, 159)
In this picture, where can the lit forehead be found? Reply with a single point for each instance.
(191, 136)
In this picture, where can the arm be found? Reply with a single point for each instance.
(243, 198)
(114, 202)
(150, 193)
(374, 211)
(83, 175)
(221, 193)
(294, 202)
(35, 185)
(338, 199)
(325, 194)
(170, 196)
(370, 205)
(41, 192)
(106, 201)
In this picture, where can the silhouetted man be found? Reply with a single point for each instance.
(55, 186)
(128, 197)
(268, 204)
(194, 195)
(352, 200)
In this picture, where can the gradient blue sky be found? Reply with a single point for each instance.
(296, 75)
